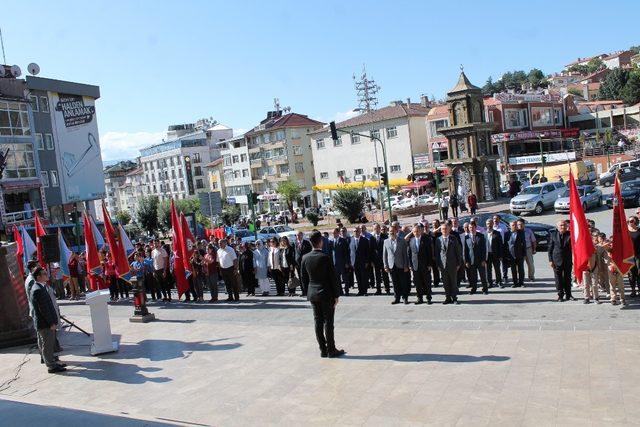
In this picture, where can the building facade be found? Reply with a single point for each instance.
(215, 172)
(115, 177)
(357, 161)
(236, 171)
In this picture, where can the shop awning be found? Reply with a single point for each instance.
(397, 182)
(415, 185)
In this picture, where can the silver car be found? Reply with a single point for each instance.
(590, 196)
(536, 198)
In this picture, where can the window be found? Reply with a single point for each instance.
(236, 174)
(378, 169)
(295, 134)
(20, 160)
(173, 174)
(33, 100)
(181, 185)
(155, 190)
(144, 165)
(171, 161)
(375, 134)
(284, 169)
(297, 150)
(195, 158)
(515, 118)
(299, 167)
(355, 139)
(541, 116)
(179, 173)
(45, 178)
(245, 173)
(158, 164)
(319, 144)
(243, 157)
(227, 160)
(278, 152)
(54, 179)
(557, 116)
(337, 142)
(436, 125)
(340, 174)
(14, 119)
(197, 170)
(175, 187)
(395, 168)
(214, 185)
(236, 158)
(151, 165)
(266, 138)
(199, 184)
(39, 141)
(44, 104)
(324, 175)
(279, 135)
(392, 132)
(48, 141)
(271, 170)
(358, 171)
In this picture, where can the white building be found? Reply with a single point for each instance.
(131, 191)
(115, 177)
(351, 161)
(236, 171)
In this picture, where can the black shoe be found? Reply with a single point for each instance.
(586, 301)
(486, 292)
(324, 353)
(429, 302)
(395, 302)
(419, 302)
(388, 292)
(456, 302)
(378, 293)
(336, 353)
(472, 291)
(229, 299)
(560, 299)
(406, 302)
(570, 298)
(56, 369)
(447, 301)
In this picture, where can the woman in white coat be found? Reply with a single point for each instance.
(260, 263)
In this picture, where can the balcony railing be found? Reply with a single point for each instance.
(20, 216)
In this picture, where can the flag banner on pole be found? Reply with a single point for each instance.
(125, 273)
(97, 236)
(581, 242)
(94, 267)
(28, 247)
(622, 253)
(118, 255)
(17, 237)
(178, 265)
(126, 242)
(188, 244)
(65, 256)
(40, 231)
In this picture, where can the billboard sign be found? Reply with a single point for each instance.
(77, 147)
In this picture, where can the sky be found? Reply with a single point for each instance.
(160, 63)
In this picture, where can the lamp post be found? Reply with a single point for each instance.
(438, 192)
(540, 136)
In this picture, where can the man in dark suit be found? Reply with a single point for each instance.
(361, 258)
(341, 258)
(372, 252)
(494, 253)
(395, 258)
(381, 276)
(561, 260)
(435, 234)
(448, 255)
(319, 276)
(475, 258)
(518, 251)
(45, 320)
(420, 256)
(302, 247)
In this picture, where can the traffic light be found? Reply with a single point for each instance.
(384, 177)
(334, 131)
(254, 198)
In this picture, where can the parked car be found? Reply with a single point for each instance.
(410, 202)
(626, 164)
(590, 197)
(626, 174)
(630, 192)
(536, 198)
(246, 235)
(541, 231)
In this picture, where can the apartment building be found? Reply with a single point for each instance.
(236, 171)
(356, 161)
(215, 172)
(115, 177)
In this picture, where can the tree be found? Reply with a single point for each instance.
(488, 89)
(537, 79)
(230, 214)
(635, 49)
(182, 206)
(123, 217)
(594, 65)
(313, 218)
(147, 213)
(290, 192)
(349, 202)
(612, 84)
(575, 91)
(630, 94)
(579, 68)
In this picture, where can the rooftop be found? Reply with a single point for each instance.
(463, 84)
(288, 120)
(215, 163)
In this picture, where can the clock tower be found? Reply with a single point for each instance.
(471, 161)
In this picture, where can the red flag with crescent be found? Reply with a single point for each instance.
(622, 252)
(581, 242)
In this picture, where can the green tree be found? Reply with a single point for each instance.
(537, 79)
(630, 94)
(594, 65)
(575, 91)
(182, 206)
(313, 218)
(488, 89)
(123, 217)
(635, 49)
(579, 68)
(230, 214)
(349, 202)
(290, 192)
(613, 84)
(147, 213)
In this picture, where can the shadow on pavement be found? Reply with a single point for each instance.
(224, 305)
(20, 413)
(159, 349)
(174, 320)
(105, 370)
(427, 357)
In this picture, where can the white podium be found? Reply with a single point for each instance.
(102, 341)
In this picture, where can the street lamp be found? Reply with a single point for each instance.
(542, 160)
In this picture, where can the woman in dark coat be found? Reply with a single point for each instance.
(287, 263)
(247, 269)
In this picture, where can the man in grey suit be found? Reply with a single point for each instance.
(448, 253)
(396, 261)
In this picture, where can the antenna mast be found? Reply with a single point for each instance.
(366, 90)
(4, 58)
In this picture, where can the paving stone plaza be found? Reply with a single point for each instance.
(513, 357)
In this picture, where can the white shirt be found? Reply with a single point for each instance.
(226, 257)
(274, 258)
(159, 258)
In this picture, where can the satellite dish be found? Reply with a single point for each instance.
(2, 71)
(16, 71)
(33, 68)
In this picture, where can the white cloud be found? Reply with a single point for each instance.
(127, 145)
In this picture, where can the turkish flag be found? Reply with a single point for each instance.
(178, 264)
(581, 243)
(622, 253)
(40, 231)
(94, 267)
(188, 243)
(19, 250)
(118, 254)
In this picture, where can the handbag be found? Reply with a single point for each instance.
(294, 282)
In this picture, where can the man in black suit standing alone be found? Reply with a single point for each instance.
(448, 254)
(561, 260)
(302, 247)
(319, 277)
(420, 259)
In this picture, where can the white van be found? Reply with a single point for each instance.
(615, 167)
